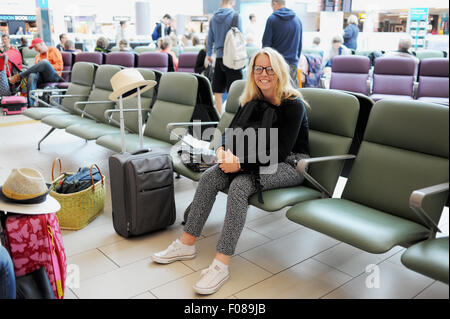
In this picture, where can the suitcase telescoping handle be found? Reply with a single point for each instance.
(122, 121)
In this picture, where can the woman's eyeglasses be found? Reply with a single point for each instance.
(260, 69)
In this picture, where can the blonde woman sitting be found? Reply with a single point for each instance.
(268, 86)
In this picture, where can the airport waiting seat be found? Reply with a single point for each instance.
(433, 81)
(429, 258)
(197, 49)
(68, 60)
(426, 54)
(92, 57)
(393, 78)
(396, 158)
(142, 49)
(171, 105)
(92, 110)
(83, 74)
(314, 51)
(363, 52)
(350, 73)
(91, 131)
(186, 62)
(28, 56)
(154, 60)
(332, 122)
(125, 59)
(231, 107)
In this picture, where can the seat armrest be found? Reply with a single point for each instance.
(83, 113)
(176, 125)
(111, 120)
(302, 167)
(172, 126)
(416, 203)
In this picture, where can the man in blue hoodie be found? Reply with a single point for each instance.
(284, 33)
(219, 25)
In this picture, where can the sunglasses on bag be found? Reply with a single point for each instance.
(260, 69)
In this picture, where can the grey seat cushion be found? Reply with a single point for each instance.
(38, 113)
(63, 121)
(113, 142)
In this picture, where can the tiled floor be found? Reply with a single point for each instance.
(275, 258)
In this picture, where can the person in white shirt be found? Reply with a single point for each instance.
(121, 32)
(251, 32)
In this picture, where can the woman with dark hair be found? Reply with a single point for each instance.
(268, 90)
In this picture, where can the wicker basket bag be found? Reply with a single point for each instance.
(80, 208)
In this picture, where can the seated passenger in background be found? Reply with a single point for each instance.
(69, 46)
(123, 46)
(102, 45)
(337, 48)
(165, 45)
(48, 63)
(196, 41)
(404, 50)
(315, 43)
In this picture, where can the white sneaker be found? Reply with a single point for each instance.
(176, 251)
(212, 279)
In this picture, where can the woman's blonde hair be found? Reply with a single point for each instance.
(284, 89)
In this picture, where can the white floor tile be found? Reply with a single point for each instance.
(308, 279)
(130, 281)
(289, 250)
(351, 260)
(206, 248)
(90, 264)
(437, 290)
(242, 275)
(394, 282)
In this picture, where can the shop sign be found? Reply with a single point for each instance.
(17, 18)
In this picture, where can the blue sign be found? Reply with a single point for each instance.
(43, 4)
(17, 18)
(418, 14)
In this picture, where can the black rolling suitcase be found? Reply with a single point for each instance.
(142, 190)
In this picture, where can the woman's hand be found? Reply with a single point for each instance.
(229, 163)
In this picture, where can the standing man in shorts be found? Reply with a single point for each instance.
(219, 25)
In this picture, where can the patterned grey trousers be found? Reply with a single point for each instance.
(241, 188)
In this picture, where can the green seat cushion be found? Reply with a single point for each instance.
(113, 142)
(64, 121)
(92, 131)
(277, 199)
(38, 113)
(429, 258)
(355, 224)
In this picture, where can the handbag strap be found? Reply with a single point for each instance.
(92, 178)
(53, 167)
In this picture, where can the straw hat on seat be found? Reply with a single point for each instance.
(126, 82)
(25, 192)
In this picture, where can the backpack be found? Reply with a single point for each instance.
(35, 241)
(312, 78)
(234, 51)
